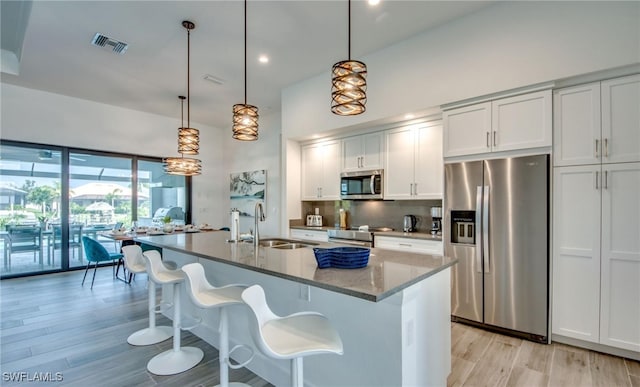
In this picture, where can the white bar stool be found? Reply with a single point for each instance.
(290, 337)
(207, 296)
(135, 264)
(178, 359)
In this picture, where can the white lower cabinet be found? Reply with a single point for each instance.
(310, 235)
(596, 254)
(422, 246)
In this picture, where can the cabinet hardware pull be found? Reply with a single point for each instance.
(606, 147)
(415, 188)
(410, 189)
(494, 138)
(488, 145)
(606, 180)
(597, 179)
(404, 244)
(597, 146)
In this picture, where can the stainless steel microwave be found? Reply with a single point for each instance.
(361, 184)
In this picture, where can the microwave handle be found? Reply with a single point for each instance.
(372, 186)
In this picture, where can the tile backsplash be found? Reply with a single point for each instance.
(374, 213)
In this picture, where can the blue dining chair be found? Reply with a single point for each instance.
(95, 252)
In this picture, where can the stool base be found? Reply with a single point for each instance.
(148, 336)
(174, 362)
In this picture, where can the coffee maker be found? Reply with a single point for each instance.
(436, 220)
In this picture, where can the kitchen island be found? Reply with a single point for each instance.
(393, 315)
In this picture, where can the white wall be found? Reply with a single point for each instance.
(241, 156)
(36, 116)
(505, 46)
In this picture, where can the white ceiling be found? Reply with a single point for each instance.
(301, 38)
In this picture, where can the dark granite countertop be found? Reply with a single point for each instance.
(387, 273)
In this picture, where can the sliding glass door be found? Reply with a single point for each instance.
(30, 189)
(50, 197)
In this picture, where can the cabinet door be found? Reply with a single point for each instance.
(521, 122)
(467, 130)
(309, 235)
(311, 171)
(429, 166)
(362, 152)
(372, 151)
(576, 252)
(330, 187)
(351, 153)
(621, 119)
(420, 246)
(399, 163)
(577, 125)
(620, 297)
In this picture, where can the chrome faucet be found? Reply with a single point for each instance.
(259, 216)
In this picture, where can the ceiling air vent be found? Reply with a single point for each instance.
(109, 43)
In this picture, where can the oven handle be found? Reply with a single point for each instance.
(350, 242)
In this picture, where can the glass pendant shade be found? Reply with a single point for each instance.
(188, 141)
(349, 88)
(183, 166)
(245, 122)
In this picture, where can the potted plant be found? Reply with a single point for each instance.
(42, 219)
(167, 224)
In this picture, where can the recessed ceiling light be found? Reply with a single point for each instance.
(263, 59)
(374, 2)
(408, 116)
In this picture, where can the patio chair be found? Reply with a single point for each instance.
(24, 238)
(75, 241)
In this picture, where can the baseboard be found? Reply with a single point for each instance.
(596, 347)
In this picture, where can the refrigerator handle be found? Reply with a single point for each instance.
(478, 229)
(485, 230)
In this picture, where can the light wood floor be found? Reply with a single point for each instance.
(51, 324)
(481, 358)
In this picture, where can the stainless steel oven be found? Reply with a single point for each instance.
(361, 184)
(356, 237)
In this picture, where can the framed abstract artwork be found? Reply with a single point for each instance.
(247, 189)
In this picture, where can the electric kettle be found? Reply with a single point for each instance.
(409, 223)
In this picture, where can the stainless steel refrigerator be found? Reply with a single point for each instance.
(497, 225)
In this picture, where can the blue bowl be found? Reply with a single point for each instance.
(342, 257)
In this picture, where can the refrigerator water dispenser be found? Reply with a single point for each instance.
(463, 225)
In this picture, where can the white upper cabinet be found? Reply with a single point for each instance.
(522, 122)
(414, 166)
(362, 152)
(598, 122)
(466, 130)
(513, 123)
(321, 171)
(621, 119)
(577, 125)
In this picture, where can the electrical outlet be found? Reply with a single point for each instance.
(305, 293)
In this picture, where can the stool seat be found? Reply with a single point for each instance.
(135, 264)
(178, 359)
(207, 296)
(290, 337)
(301, 334)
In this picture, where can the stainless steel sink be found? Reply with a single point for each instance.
(282, 243)
(272, 242)
(291, 246)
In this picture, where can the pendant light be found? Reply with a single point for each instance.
(188, 138)
(349, 86)
(245, 117)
